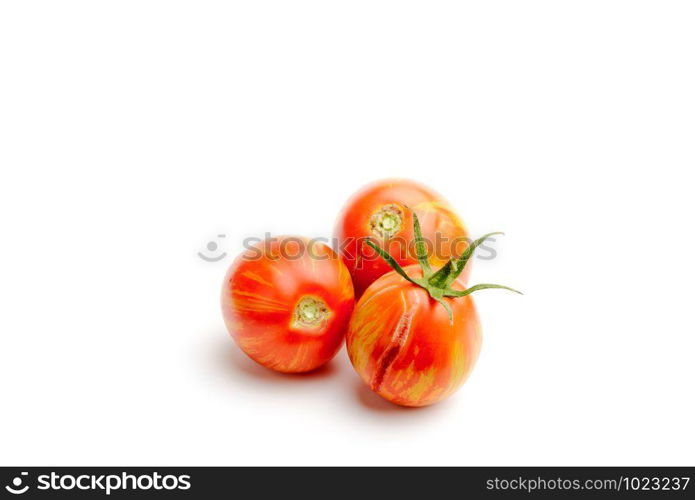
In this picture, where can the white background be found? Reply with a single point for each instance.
(134, 132)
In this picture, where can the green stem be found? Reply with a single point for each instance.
(438, 284)
(453, 268)
(390, 261)
(420, 247)
(474, 288)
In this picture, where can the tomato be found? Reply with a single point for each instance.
(287, 302)
(415, 336)
(382, 211)
(402, 344)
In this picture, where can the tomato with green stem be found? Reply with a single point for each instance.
(415, 336)
(381, 212)
(287, 302)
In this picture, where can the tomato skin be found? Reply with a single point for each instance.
(402, 344)
(261, 297)
(354, 226)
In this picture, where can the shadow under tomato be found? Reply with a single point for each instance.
(336, 379)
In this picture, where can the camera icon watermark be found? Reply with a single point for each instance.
(211, 248)
(16, 487)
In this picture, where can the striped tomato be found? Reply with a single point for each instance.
(415, 336)
(382, 212)
(287, 302)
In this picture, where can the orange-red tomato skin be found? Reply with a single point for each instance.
(438, 220)
(260, 299)
(402, 344)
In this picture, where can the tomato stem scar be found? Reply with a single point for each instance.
(387, 221)
(310, 312)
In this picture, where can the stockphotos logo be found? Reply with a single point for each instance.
(17, 486)
(103, 483)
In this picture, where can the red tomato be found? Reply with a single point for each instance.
(382, 211)
(414, 336)
(403, 345)
(287, 303)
